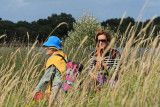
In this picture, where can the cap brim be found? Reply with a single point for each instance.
(51, 45)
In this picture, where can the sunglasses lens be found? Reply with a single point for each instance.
(103, 40)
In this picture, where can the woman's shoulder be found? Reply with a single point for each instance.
(115, 50)
(93, 53)
(115, 53)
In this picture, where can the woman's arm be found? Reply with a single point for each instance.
(92, 62)
(92, 65)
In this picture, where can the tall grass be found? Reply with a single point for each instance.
(139, 75)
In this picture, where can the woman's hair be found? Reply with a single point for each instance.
(108, 37)
(101, 32)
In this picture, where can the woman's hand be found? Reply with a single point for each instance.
(93, 76)
(105, 66)
(96, 90)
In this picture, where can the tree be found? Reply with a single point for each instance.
(114, 23)
(7, 27)
(55, 19)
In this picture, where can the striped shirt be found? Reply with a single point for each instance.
(110, 59)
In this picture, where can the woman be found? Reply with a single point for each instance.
(105, 64)
(55, 67)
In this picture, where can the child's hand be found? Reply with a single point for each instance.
(34, 93)
(47, 94)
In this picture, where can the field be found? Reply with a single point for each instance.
(139, 76)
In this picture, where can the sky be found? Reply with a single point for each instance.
(32, 10)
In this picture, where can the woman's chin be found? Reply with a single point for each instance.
(102, 48)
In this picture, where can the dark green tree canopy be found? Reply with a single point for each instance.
(42, 27)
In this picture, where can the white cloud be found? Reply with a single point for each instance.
(14, 4)
(21, 3)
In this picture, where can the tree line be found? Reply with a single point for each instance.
(41, 28)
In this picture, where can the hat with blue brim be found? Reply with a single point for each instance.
(53, 41)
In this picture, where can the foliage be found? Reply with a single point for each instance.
(40, 28)
(113, 23)
(138, 83)
(84, 26)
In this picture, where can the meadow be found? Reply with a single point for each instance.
(139, 76)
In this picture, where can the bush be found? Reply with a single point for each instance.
(86, 25)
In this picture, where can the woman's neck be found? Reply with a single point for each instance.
(102, 50)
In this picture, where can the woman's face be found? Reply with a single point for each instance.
(102, 41)
(49, 51)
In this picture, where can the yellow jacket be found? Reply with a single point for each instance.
(58, 62)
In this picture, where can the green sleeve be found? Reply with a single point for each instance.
(46, 77)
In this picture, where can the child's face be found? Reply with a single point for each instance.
(49, 51)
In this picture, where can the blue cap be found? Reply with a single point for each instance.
(53, 41)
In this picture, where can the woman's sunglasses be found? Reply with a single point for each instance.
(102, 40)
